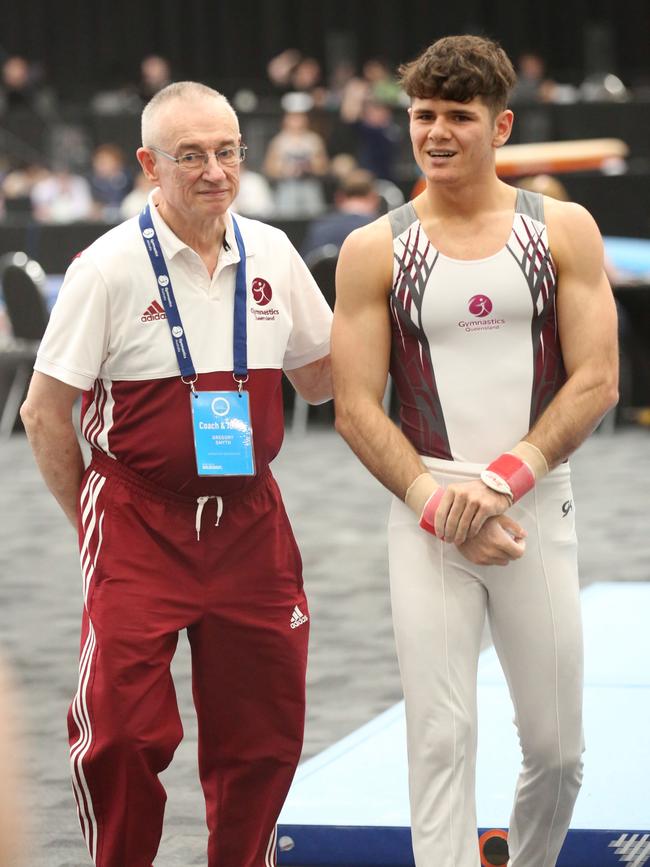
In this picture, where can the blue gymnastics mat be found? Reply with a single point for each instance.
(349, 804)
(630, 256)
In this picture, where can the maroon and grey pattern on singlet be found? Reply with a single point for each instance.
(475, 352)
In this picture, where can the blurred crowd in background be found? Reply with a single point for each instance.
(318, 127)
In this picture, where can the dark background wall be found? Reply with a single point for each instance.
(86, 44)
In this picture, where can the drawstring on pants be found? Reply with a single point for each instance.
(200, 503)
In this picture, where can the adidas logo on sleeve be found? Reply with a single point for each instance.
(298, 618)
(154, 311)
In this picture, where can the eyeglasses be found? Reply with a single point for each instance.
(228, 157)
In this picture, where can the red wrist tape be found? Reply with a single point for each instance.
(518, 475)
(427, 519)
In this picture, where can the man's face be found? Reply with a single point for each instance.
(453, 141)
(196, 125)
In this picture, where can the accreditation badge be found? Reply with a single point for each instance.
(223, 436)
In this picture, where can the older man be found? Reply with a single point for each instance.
(176, 327)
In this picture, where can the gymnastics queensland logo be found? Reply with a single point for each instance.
(262, 292)
(480, 307)
(262, 295)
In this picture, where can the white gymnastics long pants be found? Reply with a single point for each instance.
(439, 603)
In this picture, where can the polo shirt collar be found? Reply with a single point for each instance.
(171, 244)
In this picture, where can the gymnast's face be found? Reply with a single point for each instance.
(456, 141)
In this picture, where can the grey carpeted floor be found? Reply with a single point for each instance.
(339, 515)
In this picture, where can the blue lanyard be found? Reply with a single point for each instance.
(179, 340)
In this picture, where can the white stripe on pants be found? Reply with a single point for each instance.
(439, 603)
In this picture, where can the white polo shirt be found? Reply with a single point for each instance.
(108, 336)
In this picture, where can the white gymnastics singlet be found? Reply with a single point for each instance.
(475, 350)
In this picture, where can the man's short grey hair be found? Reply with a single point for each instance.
(177, 90)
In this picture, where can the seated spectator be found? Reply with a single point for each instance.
(376, 85)
(26, 105)
(356, 204)
(534, 122)
(379, 140)
(291, 72)
(341, 165)
(135, 201)
(532, 85)
(17, 91)
(382, 84)
(17, 186)
(110, 181)
(22, 89)
(62, 197)
(306, 75)
(280, 68)
(340, 78)
(295, 160)
(255, 196)
(155, 73)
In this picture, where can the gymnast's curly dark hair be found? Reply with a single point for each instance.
(460, 68)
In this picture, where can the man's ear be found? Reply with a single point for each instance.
(148, 163)
(502, 127)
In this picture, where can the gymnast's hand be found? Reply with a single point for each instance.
(464, 509)
(499, 541)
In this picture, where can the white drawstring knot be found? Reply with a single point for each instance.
(200, 503)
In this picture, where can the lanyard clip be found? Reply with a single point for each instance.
(240, 382)
(190, 382)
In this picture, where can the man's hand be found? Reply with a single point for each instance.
(464, 509)
(47, 416)
(499, 541)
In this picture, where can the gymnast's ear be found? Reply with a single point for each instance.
(502, 127)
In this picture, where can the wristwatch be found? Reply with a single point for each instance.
(496, 483)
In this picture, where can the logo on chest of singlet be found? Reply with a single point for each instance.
(480, 306)
(262, 294)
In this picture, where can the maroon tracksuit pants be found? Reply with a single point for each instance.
(238, 592)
